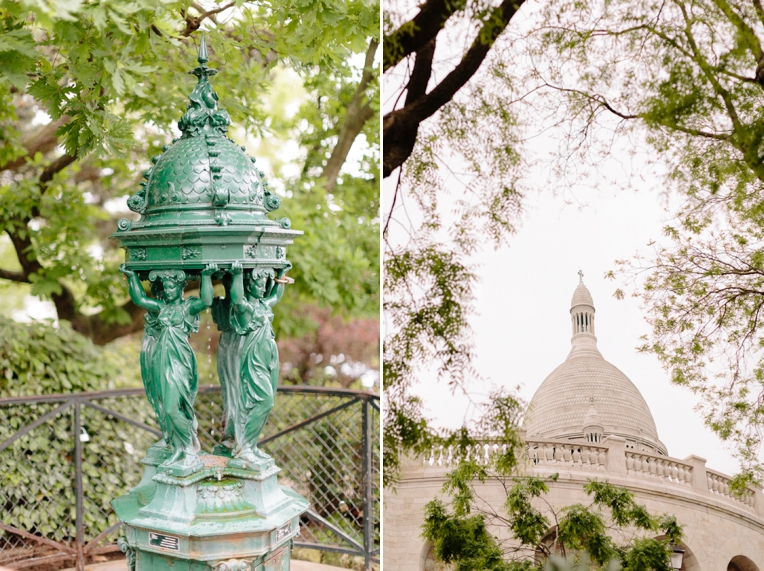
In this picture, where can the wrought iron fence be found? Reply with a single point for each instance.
(55, 488)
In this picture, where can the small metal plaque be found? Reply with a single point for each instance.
(283, 531)
(164, 541)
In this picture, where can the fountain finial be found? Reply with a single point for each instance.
(203, 55)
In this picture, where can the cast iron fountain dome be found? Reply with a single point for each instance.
(203, 199)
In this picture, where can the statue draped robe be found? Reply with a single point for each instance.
(153, 391)
(258, 371)
(229, 360)
(174, 370)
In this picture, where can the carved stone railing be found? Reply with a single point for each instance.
(720, 484)
(659, 466)
(448, 456)
(566, 454)
(611, 457)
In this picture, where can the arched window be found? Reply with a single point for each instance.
(741, 563)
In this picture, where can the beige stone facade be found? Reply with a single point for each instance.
(588, 420)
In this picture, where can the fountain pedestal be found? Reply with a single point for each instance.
(228, 516)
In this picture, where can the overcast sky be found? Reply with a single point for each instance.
(522, 330)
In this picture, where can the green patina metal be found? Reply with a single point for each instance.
(204, 200)
(204, 215)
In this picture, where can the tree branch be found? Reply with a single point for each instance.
(356, 116)
(748, 34)
(43, 140)
(401, 122)
(193, 22)
(419, 31)
(13, 276)
(397, 148)
(595, 98)
(54, 168)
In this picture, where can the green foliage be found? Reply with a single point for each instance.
(652, 70)
(528, 525)
(112, 77)
(37, 486)
(464, 541)
(37, 359)
(584, 533)
(470, 143)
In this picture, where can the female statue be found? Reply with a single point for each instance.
(173, 362)
(229, 359)
(150, 334)
(252, 317)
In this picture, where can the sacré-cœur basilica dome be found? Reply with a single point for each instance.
(588, 421)
(586, 398)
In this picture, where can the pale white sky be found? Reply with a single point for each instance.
(522, 327)
(522, 331)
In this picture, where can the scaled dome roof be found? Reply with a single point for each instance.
(203, 200)
(203, 171)
(560, 406)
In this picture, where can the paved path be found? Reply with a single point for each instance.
(121, 565)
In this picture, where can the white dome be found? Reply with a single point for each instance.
(586, 383)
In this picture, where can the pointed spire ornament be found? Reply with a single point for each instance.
(203, 55)
(203, 178)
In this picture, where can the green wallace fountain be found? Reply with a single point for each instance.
(204, 215)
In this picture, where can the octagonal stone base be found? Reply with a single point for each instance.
(223, 517)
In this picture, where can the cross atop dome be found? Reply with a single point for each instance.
(581, 295)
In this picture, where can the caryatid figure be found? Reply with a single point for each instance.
(251, 317)
(173, 369)
(150, 334)
(228, 364)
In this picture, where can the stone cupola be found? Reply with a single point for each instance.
(582, 319)
(586, 398)
(593, 426)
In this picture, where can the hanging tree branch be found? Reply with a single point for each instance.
(358, 112)
(400, 126)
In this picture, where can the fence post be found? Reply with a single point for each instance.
(78, 484)
(368, 491)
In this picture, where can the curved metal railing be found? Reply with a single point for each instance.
(64, 457)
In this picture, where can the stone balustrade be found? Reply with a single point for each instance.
(665, 467)
(611, 457)
(566, 454)
(720, 484)
(446, 456)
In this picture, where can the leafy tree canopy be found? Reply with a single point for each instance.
(90, 90)
(684, 76)
(688, 76)
(450, 126)
(612, 531)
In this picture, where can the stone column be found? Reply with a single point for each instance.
(699, 478)
(616, 454)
